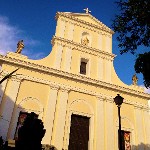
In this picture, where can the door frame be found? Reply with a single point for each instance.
(91, 127)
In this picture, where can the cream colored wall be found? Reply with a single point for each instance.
(78, 102)
(62, 56)
(87, 18)
(31, 97)
(68, 58)
(57, 94)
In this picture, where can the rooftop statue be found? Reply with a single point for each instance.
(20, 46)
(134, 79)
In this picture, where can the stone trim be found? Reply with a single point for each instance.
(83, 48)
(66, 88)
(70, 76)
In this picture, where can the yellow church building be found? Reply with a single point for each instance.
(72, 90)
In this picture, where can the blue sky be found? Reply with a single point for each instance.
(34, 22)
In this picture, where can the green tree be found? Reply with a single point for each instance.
(142, 65)
(133, 28)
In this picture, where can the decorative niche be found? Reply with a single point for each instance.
(85, 39)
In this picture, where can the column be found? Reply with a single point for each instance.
(9, 103)
(59, 122)
(109, 124)
(100, 142)
(49, 115)
(100, 69)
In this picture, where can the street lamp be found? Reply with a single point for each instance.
(118, 101)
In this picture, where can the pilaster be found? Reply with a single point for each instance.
(69, 31)
(100, 142)
(58, 56)
(49, 115)
(66, 60)
(99, 43)
(60, 28)
(139, 127)
(59, 122)
(100, 68)
(108, 44)
(108, 69)
(8, 106)
(109, 124)
(146, 127)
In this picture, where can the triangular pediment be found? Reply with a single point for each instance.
(87, 18)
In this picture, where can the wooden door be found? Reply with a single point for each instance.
(79, 133)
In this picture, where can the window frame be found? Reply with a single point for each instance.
(86, 62)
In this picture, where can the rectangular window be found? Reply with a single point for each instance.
(83, 66)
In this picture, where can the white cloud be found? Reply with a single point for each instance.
(32, 55)
(10, 35)
(145, 89)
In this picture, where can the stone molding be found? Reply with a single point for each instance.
(76, 77)
(101, 97)
(54, 87)
(37, 101)
(82, 23)
(16, 55)
(80, 47)
(85, 102)
(125, 101)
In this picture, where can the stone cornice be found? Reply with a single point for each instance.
(76, 77)
(83, 48)
(71, 16)
(67, 88)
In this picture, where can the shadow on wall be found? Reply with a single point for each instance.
(6, 109)
(8, 106)
(141, 146)
(11, 119)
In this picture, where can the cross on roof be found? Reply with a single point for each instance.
(87, 10)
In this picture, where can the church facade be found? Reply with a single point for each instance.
(72, 90)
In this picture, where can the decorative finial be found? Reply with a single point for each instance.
(87, 11)
(134, 79)
(20, 46)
